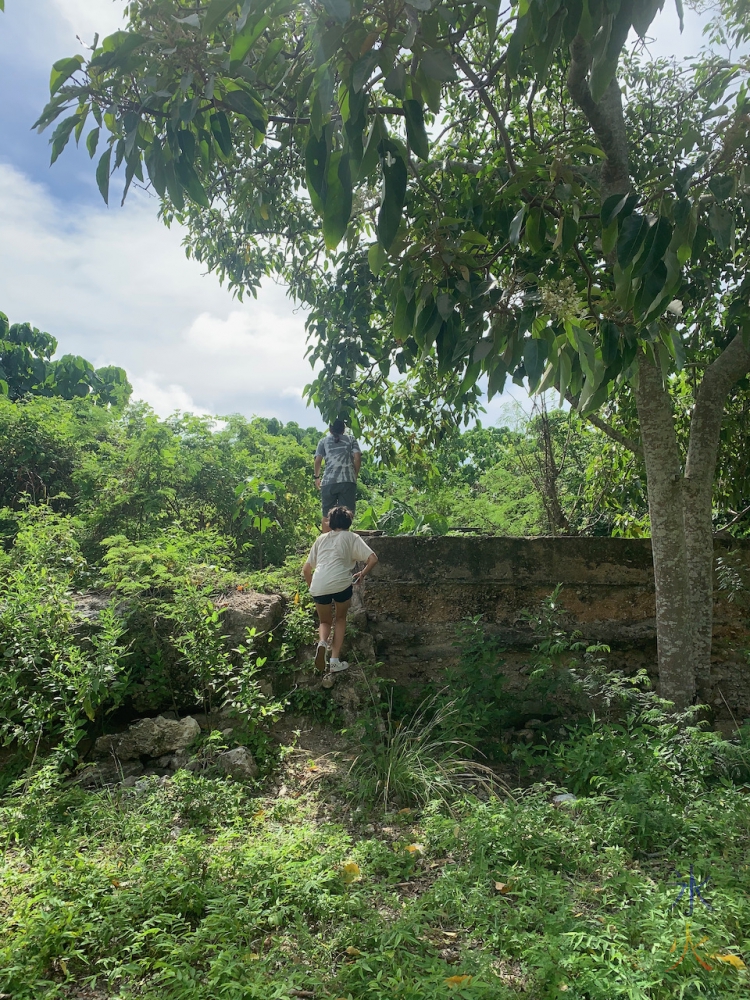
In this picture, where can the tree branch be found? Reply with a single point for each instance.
(735, 519)
(492, 110)
(730, 366)
(605, 118)
(611, 432)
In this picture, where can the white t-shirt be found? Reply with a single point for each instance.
(333, 558)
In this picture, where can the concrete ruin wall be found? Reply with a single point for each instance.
(423, 587)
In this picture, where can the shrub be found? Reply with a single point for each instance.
(54, 675)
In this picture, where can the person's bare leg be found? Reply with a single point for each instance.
(325, 618)
(339, 629)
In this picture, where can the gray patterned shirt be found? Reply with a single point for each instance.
(338, 457)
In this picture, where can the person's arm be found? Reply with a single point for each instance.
(310, 563)
(357, 460)
(318, 463)
(371, 560)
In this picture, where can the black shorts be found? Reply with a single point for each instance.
(338, 495)
(342, 598)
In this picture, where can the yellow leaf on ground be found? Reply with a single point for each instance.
(503, 887)
(260, 814)
(353, 951)
(404, 812)
(458, 980)
(351, 872)
(734, 960)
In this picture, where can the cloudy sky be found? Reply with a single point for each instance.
(113, 284)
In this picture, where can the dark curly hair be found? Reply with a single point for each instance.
(340, 518)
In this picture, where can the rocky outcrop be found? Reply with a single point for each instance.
(148, 738)
(247, 609)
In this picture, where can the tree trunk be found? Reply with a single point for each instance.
(700, 468)
(665, 505)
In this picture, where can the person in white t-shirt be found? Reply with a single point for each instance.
(328, 573)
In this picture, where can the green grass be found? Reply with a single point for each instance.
(200, 890)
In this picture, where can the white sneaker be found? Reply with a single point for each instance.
(320, 656)
(335, 666)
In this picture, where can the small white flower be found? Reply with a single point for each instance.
(390, 159)
(675, 307)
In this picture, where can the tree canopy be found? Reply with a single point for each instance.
(499, 206)
(27, 368)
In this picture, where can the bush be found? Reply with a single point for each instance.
(55, 676)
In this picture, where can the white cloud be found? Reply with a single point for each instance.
(115, 286)
(165, 399)
(85, 17)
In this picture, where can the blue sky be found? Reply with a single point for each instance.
(113, 284)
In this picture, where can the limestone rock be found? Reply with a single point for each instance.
(238, 764)
(148, 738)
(109, 772)
(246, 610)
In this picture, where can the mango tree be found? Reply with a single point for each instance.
(503, 191)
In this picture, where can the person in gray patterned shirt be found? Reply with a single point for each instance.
(342, 455)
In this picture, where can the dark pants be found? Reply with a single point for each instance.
(338, 495)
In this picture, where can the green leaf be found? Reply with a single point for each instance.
(569, 233)
(216, 13)
(536, 229)
(721, 221)
(376, 258)
(403, 315)
(534, 358)
(116, 49)
(247, 37)
(62, 70)
(651, 287)
(221, 132)
(632, 234)
(245, 104)
(157, 167)
(721, 186)
(92, 141)
(609, 238)
(61, 135)
(341, 10)
(617, 205)
(655, 246)
(174, 187)
(680, 14)
(514, 234)
(103, 173)
(316, 164)
(389, 217)
(610, 342)
(415, 130)
(438, 65)
(338, 199)
(188, 178)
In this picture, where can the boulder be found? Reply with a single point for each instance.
(238, 764)
(246, 609)
(148, 738)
